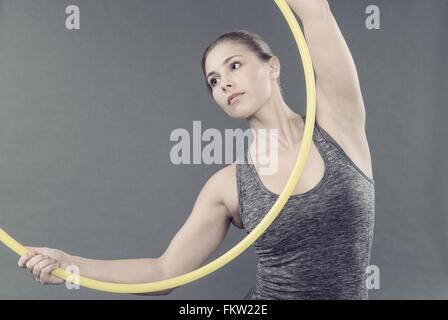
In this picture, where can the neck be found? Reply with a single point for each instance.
(276, 114)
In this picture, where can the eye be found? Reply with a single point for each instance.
(214, 80)
(234, 63)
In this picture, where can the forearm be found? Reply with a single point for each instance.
(121, 271)
(310, 9)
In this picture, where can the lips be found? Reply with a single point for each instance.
(229, 100)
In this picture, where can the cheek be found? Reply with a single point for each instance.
(261, 83)
(262, 91)
(219, 99)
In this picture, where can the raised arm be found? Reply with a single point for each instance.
(338, 92)
(196, 241)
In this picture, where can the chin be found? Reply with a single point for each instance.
(243, 115)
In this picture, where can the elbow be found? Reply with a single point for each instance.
(157, 274)
(168, 291)
(165, 292)
(162, 275)
(156, 293)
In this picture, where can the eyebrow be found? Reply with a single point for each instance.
(225, 61)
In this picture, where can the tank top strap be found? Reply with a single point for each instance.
(247, 181)
(334, 154)
(327, 145)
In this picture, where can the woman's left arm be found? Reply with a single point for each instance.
(339, 97)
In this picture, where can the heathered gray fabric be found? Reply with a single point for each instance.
(319, 246)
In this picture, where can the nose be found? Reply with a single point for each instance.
(226, 85)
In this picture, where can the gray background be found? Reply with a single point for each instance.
(85, 120)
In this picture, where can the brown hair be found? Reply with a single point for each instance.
(251, 40)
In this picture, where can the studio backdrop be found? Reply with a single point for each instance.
(86, 115)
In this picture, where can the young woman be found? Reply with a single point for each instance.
(319, 246)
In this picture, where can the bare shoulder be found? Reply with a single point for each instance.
(225, 178)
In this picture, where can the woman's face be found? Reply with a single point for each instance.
(243, 73)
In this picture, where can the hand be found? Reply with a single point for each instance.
(42, 261)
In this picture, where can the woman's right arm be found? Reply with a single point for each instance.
(194, 243)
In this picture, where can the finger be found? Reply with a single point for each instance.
(33, 261)
(24, 258)
(45, 274)
(42, 264)
(33, 250)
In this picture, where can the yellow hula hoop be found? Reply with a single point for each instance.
(252, 236)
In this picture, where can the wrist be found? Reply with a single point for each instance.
(71, 260)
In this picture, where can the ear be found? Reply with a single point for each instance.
(274, 67)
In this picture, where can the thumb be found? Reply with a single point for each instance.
(32, 249)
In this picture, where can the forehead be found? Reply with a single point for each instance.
(221, 52)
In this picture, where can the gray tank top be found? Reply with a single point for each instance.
(319, 246)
